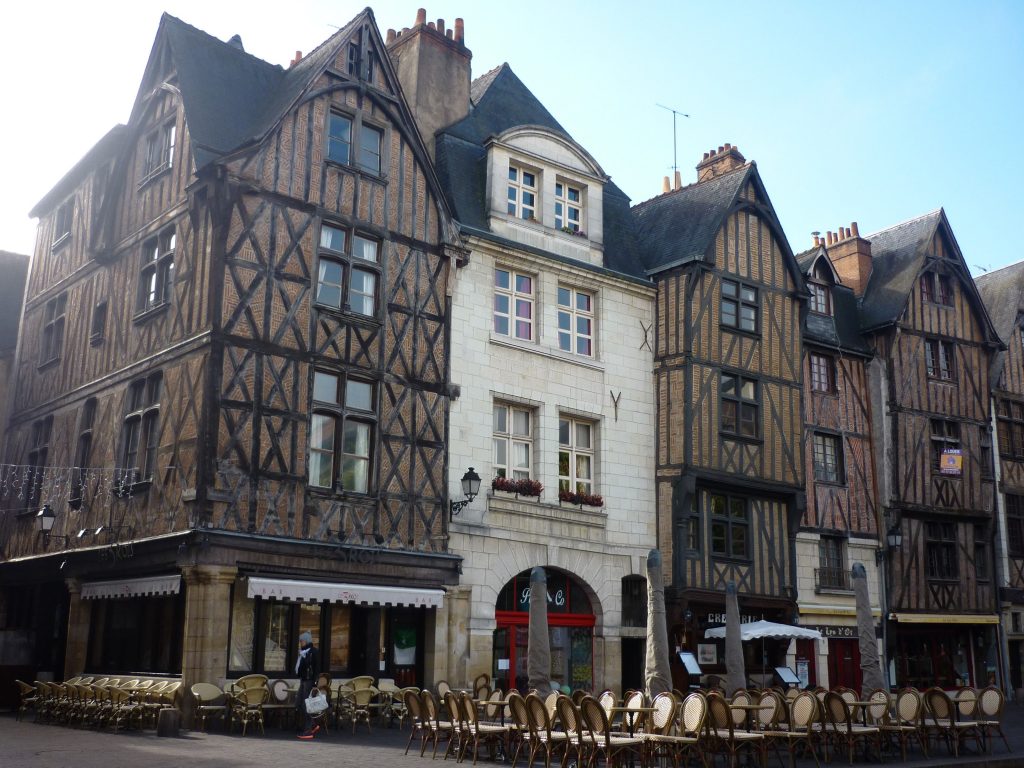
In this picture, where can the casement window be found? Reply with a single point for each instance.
(62, 222)
(985, 453)
(342, 432)
(823, 373)
(940, 551)
(357, 67)
(348, 271)
(634, 601)
(350, 141)
(53, 328)
(740, 406)
(568, 207)
(141, 431)
(576, 445)
(513, 441)
(828, 458)
(513, 304)
(156, 272)
(159, 151)
(821, 299)
(981, 569)
(938, 359)
(739, 306)
(936, 289)
(831, 572)
(576, 321)
(98, 325)
(1010, 427)
(692, 530)
(1015, 524)
(522, 192)
(945, 436)
(730, 526)
(39, 449)
(83, 452)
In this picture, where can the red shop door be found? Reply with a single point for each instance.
(844, 664)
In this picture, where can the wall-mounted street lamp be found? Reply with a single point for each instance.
(893, 540)
(46, 517)
(470, 488)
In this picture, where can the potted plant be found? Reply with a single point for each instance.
(580, 498)
(524, 487)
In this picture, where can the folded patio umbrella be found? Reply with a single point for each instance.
(735, 671)
(657, 677)
(870, 663)
(538, 643)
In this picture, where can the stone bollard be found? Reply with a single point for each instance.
(168, 721)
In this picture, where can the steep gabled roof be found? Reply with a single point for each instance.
(500, 102)
(898, 255)
(842, 329)
(1003, 294)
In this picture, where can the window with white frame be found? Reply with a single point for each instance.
(159, 151)
(576, 321)
(347, 271)
(576, 439)
(141, 431)
(156, 272)
(513, 441)
(341, 432)
(513, 304)
(823, 372)
(522, 192)
(939, 359)
(568, 206)
(354, 142)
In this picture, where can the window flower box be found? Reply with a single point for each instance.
(527, 487)
(581, 499)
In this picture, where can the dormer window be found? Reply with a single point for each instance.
(62, 222)
(522, 193)
(819, 286)
(159, 151)
(568, 207)
(367, 153)
(936, 289)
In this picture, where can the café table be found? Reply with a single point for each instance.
(630, 715)
(501, 704)
(747, 709)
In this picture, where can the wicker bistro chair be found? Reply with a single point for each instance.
(541, 734)
(360, 706)
(418, 720)
(28, 696)
(990, 716)
(520, 718)
(210, 701)
(601, 741)
(942, 720)
(494, 710)
(841, 729)
(494, 737)
(726, 738)
(481, 681)
(800, 731)
(247, 706)
(439, 727)
(577, 746)
(691, 739)
(456, 743)
(606, 700)
(900, 726)
(124, 709)
(442, 688)
(660, 723)
(966, 700)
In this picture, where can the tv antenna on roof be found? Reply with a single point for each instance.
(675, 114)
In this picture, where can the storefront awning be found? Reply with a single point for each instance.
(315, 591)
(944, 618)
(147, 586)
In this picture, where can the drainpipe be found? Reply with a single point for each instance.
(1001, 556)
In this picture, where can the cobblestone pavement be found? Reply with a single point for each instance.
(30, 745)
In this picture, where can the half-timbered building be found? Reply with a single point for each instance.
(728, 388)
(933, 343)
(840, 523)
(233, 388)
(1003, 294)
(554, 409)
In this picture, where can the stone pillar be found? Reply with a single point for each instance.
(79, 614)
(207, 621)
(458, 599)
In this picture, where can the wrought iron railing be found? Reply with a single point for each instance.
(831, 578)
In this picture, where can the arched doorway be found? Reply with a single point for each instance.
(570, 629)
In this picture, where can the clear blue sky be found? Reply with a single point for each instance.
(873, 112)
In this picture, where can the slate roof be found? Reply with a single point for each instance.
(842, 329)
(1002, 291)
(897, 255)
(14, 268)
(500, 101)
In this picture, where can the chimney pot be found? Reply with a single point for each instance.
(713, 153)
(828, 237)
(728, 145)
(848, 233)
(853, 227)
(440, 26)
(665, 186)
(430, 25)
(817, 240)
(392, 35)
(721, 149)
(448, 34)
(421, 16)
(460, 30)
(678, 180)
(706, 155)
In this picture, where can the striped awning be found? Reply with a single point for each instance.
(146, 586)
(945, 618)
(317, 591)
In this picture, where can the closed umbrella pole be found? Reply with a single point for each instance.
(870, 663)
(735, 672)
(657, 677)
(538, 648)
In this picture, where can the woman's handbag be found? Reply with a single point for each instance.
(316, 703)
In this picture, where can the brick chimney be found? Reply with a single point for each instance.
(433, 65)
(716, 163)
(850, 254)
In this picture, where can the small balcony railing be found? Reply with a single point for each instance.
(831, 578)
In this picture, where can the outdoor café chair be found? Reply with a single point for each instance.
(892, 727)
(688, 721)
(124, 709)
(601, 742)
(943, 720)
(456, 742)
(841, 729)
(248, 706)
(990, 716)
(210, 701)
(439, 726)
(726, 738)
(542, 734)
(800, 732)
(417, 718)
(28, 696)
(494, 737)
(576, 746)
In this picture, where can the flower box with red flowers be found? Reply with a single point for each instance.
(581, 499)
(526, 487)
